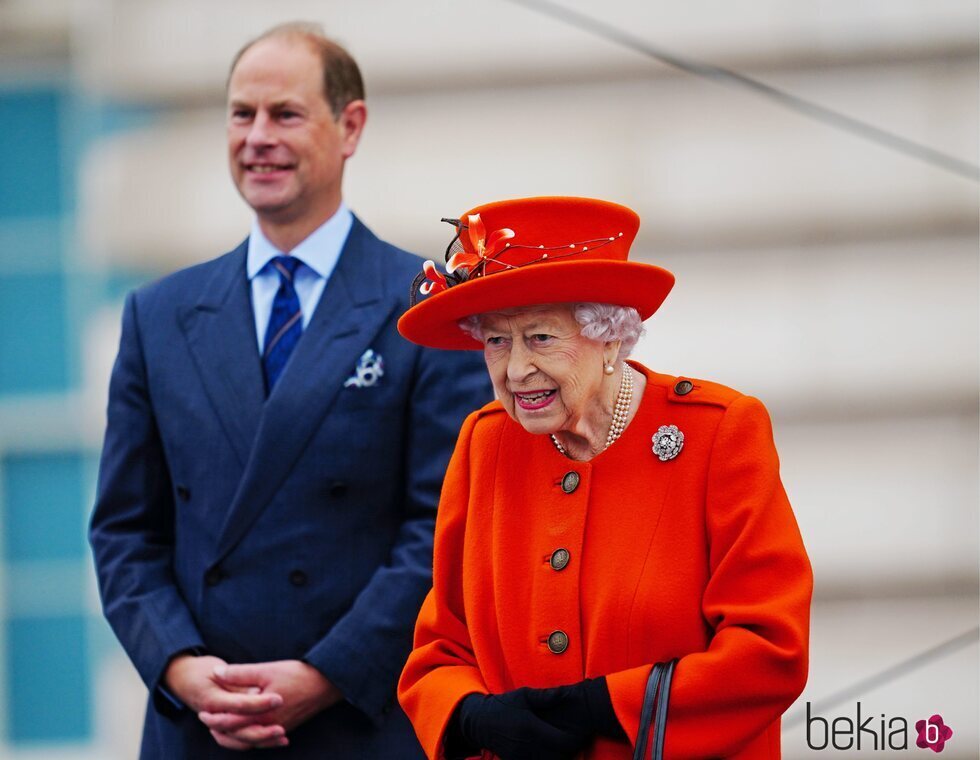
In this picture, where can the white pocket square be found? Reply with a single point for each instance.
(369, 370)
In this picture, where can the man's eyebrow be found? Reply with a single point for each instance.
(292, 105)
(279, 105)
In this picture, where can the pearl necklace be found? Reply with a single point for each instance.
(620, 412)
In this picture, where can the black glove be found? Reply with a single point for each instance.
(505, 725)
(584, 709)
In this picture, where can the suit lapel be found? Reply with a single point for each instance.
(351, 311)
(220, 332)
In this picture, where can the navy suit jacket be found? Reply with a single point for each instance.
(297, 526)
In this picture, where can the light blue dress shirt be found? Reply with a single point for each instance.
(318, 252)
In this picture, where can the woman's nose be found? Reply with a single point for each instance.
(520, 364)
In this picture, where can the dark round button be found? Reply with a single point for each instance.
(338, 488)
(683, 387)
(183, 493)
(558, 642)
(570, 482)
(559, 559)
(298, 578)
(213, 576)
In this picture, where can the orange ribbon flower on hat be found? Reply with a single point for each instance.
(484, 249)
(436, 281)
(462, 264)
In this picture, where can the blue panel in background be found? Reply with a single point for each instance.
(48, 680)
(45, 506)
(117, 117)
(31, 180)
(32, 334)
(31, 245)
(91, 120)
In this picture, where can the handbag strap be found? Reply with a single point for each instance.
(646, 713)
(663, 699)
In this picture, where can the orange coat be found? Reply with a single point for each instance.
(698, 558)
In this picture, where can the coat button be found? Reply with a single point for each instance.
(298, 578)
(183, 493)
(559, 559)
(683, 387)
(570, 482)
(338, 488)
(558, 642)
(213, 576)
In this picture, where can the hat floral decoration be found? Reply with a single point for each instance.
(485, 249)
(461, 265)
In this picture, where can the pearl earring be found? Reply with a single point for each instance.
(608, 369)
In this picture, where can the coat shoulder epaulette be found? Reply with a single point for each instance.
(494, 407)
(488, 421)
(489, 415)
(691, 390)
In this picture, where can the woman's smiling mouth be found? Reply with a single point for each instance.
(538, 399)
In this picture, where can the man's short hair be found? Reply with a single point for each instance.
(342, 81)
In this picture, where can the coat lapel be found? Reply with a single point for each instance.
(351, 311)
(220, 332)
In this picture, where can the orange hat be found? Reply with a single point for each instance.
(532, 251)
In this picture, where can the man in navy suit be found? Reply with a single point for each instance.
(274, 450)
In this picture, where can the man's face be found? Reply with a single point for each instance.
(285, 147)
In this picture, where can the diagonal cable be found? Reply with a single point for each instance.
(786, 99)
(954, 644)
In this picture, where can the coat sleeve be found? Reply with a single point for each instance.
(442, 669)
(132, 526)
(757, 602)
(363, 654)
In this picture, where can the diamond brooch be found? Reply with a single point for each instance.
(667, 442)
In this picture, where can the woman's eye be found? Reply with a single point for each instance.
(495, 340)
(541, 337)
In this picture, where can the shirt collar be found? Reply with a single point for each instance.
(319, 251)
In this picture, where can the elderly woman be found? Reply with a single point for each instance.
(617, 569)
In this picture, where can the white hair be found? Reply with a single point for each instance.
(600, 322)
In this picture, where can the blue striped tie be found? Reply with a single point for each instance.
(285, 322)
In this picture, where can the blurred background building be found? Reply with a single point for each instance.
(831, 276)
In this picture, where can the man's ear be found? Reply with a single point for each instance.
(351, 122)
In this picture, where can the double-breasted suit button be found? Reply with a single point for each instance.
(559, 559)
(683, 387)
(183, 493)
(558, 642)
(338, 488)
(298, 578)
(570, 481)
(213, 576)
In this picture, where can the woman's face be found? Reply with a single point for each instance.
(546, 374)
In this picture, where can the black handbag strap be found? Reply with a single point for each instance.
(663, 699)
(646, 713)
